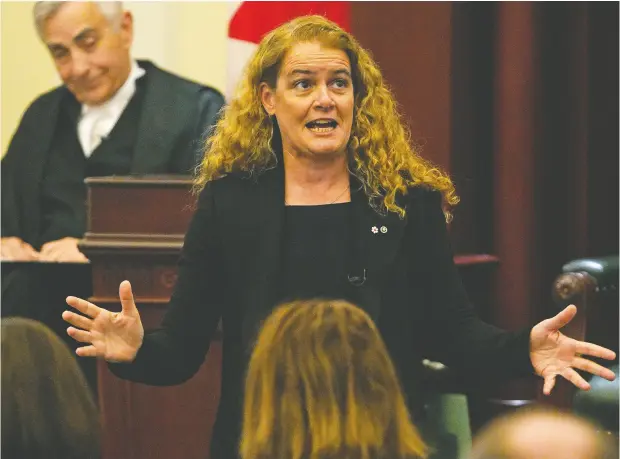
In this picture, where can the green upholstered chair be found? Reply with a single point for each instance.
(448, 413)
(592, 285)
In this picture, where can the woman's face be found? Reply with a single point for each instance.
(313, 101)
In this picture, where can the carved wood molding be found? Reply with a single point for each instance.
(165, 180)
(475, 259)
(115, 243)
(572, 286)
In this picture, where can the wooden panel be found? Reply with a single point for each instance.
(141, 421)
(138, 205)
(145, 422)
(152, 277)
(136, 231)
(412, 44)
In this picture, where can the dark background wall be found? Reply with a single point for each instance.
(519, 102)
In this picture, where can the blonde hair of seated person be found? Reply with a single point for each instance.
(48, 411)
(543, 433)
(320, 384)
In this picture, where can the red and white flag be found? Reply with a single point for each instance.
(250, 21)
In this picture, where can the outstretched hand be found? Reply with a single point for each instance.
(115, 337)
(553, 353)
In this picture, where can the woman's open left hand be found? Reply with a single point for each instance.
(553, 353)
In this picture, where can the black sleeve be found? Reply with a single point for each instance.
(9, 222)
(175, 352)
(191, 148)
(8, 225)
(457, 337)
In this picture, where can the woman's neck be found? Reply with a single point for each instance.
(312, 182)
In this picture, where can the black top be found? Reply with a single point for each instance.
(314, 262)
(63, 192)
(231, 271)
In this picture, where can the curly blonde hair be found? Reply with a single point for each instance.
(379, 149)
(321, 385)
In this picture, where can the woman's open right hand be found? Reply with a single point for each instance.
(115, 337)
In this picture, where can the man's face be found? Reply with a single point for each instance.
(91, 56)
(313, 101)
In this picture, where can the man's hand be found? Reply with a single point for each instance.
(14, 249)
(63, 250)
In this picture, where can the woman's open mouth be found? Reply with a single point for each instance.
(322, 125)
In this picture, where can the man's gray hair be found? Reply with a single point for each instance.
(42, 11)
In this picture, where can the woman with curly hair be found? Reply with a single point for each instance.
(309, 188)
(320, 384)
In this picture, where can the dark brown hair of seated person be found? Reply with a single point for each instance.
(321, 385)
(47, 407)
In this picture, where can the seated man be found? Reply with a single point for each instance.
(112, 116)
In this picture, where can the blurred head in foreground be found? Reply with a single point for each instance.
(321, 384)
(543, 433)
(47, 408)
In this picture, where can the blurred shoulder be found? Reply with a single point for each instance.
(230, 187)
(182, 84)
(46, 102)
(240, 185)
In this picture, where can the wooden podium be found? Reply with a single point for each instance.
(136, 227)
